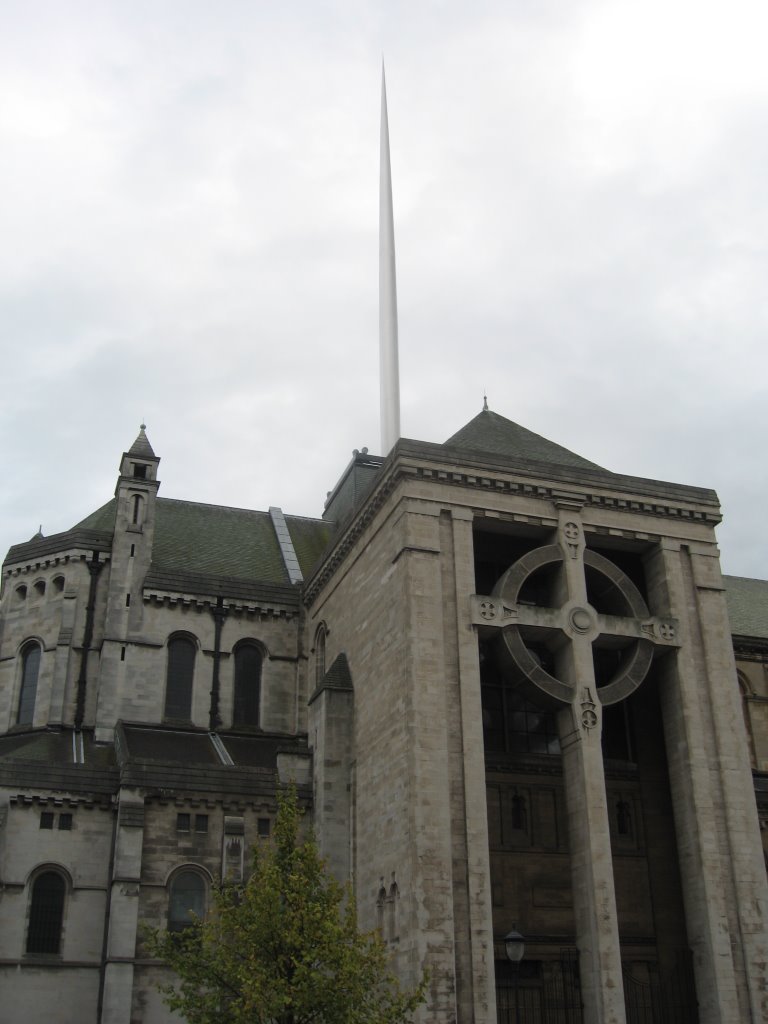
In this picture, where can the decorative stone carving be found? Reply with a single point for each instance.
(523, 625)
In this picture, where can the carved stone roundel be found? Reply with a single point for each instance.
(572, 622)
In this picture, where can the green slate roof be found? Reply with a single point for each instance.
(102, 519)
(214, 540)
(489, 432)
(747, 606)
(310, 538)
(141, 446)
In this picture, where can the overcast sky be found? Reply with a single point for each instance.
(188, 236)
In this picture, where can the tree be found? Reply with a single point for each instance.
(283, 948)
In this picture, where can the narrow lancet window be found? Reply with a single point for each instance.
(247, 697)
(46, 913)
(181, 669)
(30, 669)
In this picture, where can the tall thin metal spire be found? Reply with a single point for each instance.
(388, 356)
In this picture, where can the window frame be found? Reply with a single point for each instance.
(246, 695)
(175, 924)
(39, 932)
(27, 700)
(177, 706)
(321, 634)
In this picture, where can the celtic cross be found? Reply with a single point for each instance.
(592, 607)
(572, 627)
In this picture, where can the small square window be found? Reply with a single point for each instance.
(201, 823)
(183, 822)
(65, 822)
(46, 819)
(263, 827)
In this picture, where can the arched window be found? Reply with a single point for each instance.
(46, 913)
(320, 654)
(186, 900)
(136, 514)
(181, 670)
(30, 669)
(247, 685)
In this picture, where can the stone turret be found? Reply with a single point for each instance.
(136, 496)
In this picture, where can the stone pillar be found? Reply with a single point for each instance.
(432, 923)
(744, 856)
(123, 910)
(331, 711)
(63, 657)
(712, 794)
(476, 991)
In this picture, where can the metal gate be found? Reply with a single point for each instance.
(541, 992)
(548, 992)
(655, 998)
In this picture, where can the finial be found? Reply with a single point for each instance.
(142, 426)
(485, 403)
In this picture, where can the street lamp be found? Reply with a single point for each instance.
(514, 944)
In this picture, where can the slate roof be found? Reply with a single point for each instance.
(168, 746)
(141, 446)
(164, 760)
(189, 746)
(197, 540)
(53, 746)
(310, 538)
(43, 759)
(747, 606)
(489, 432)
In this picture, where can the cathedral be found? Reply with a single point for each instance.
(524, 711)
(514, 692)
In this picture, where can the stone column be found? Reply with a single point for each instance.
(331, 720)
(710, 788)
(123, 911)
(469, 801)
(580, 728)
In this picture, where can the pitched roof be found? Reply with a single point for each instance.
(747, 606)
(141, 446)
(215, 540)
(489, 432)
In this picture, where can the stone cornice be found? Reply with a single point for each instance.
(263, 605)
(750, 648)
(36, 553)
(438, 464)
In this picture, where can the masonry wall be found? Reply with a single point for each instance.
(66, 985)
(392, 608)
(132, 685)
(44, 602)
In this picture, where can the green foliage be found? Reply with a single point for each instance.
(282, 949)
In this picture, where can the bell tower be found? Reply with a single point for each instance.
(135, 496)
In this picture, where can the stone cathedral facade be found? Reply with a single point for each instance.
(513, 690)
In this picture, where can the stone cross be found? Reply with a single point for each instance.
(570, 629)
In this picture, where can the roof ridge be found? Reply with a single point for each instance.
(209, 504)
